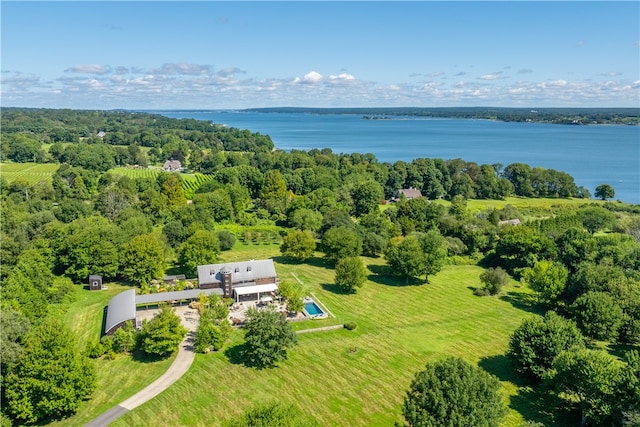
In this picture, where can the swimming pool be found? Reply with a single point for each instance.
(312, 309)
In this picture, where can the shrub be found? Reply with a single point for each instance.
(350, 326)
(227, 239)
(494, 279)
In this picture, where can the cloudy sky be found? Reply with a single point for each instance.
(223, 55)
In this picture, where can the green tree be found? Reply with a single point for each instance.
(494, 279)
(366, 196)
(605, 191)
(341, 242)
(13, 328)
(350, 273)
(293, 293)
(298, 244)
(227, 239)
(162, 335)
(595, 218)
(51, 379)
(598, 315)
(172, 190)
(404, 257)
(124, 339)
(211, 335)
(591, 379)
(201, 248)
(267, 339)
(548, 279)
(535, 344)
(214, 327)
(142, 259)
(434, 252)
(453, 392)
(305, 219)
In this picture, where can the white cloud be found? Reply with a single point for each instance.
(182, 68)
(493, 76)
(180, 85)
(341, 77)
(525, 71)
(312, 77)
(89, 69)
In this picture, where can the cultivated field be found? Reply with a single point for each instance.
(30, 172)
(340, 378)
(35, 172)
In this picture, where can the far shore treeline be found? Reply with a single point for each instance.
(571, 116)
(98, 141)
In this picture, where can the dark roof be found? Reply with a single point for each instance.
(176, 295)
(244, 271)
(95, 277)
(410, 193)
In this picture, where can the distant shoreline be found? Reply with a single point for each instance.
(565, 116)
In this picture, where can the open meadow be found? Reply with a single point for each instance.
(340, 377)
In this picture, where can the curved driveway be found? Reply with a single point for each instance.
(179, 366)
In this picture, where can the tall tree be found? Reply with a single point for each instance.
(598, 315)
(350, 273)
(298, 244)
(452, 392)
(366, 196)
(267, 339)
(341, 242)
(591, 379)
(162, 335)
(434, 251)
(142, 259)
(535, 344)
(404, 257)
(201, 248)
(51, 379)
(605, 191)
(548, 279)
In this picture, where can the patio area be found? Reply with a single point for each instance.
(238, 311)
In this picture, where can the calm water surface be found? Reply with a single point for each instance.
(593, 155)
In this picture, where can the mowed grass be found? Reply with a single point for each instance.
(30, 172)
(118, 379)
(352, 378)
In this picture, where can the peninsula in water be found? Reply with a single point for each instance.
(568, 116)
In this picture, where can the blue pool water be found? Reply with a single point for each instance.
(312, 309)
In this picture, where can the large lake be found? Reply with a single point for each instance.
(593, 155)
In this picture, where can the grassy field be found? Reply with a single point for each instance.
(30, 172)
(118, 379)
(340, 378)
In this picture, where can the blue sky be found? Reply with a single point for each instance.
(219, 55)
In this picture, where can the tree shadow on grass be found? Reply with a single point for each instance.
(338, 290)
(382, 275)
(500, 366)
(313, 261)
(535, 402)
(142, 357)
(235, 354)
(524, 301)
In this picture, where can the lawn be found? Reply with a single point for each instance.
(118, 379)
(342, 378)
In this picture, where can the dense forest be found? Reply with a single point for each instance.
(572, 116)
(582, 261)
